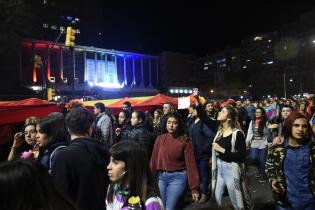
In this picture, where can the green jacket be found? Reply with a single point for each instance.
(275, 170)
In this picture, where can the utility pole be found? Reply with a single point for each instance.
(70, 37)
(284, 85)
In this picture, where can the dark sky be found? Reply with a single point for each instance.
(195, 28)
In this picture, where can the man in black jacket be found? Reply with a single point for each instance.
(80, 169)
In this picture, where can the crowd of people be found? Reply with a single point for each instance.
(84, 160)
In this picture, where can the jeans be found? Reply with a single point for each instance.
(309, 206)
(225, 179)
(260, 156)
(172, 188)
(203, 167)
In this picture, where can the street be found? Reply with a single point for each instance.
(261, 194)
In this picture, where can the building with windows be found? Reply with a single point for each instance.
(296, 52)
(277, 63)
(180, 73)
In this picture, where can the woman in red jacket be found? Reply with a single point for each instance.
(173, 163)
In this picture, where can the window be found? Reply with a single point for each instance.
(54, 27)
(45, 25)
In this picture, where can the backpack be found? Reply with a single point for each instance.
(53, 156)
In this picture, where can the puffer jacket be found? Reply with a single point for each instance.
(125, 130)
(142, 135)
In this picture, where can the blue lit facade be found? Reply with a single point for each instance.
(90, 70)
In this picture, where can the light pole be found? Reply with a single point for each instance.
(284, 77)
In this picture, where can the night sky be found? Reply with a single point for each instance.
(194, 28)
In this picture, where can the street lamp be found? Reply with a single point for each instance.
(285, 50)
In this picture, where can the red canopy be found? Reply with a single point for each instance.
(157, 100)
(18, 111)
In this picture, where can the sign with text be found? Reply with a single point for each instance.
(183, 102)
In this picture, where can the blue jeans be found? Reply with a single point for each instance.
(203, 167)
(260, 156)
(225, 179)
(309, 206)
(172, 188)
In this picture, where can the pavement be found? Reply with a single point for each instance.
(261, 194)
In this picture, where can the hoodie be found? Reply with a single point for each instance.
(80, 172)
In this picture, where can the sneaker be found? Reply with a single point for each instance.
(258, 175)
(203, 199)
(262, 180)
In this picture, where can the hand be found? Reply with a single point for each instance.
(273, 126)
(276, 188)
(218, 148)
(278, 140)
(195, 196)
(18, 141)
(118, 131)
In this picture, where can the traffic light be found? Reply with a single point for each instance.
(51, 93)
(38, 62)
(70, 37)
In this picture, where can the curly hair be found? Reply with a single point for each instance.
(74, 103)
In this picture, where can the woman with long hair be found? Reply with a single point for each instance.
(228, 157)
(257, 141)
(24, 141)
(26, 184)
(52, 136)
(173, 163)
(130, 175)
(157, 114)
(157, 117)
(140, 132)
(124, 126)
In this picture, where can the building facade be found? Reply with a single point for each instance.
(99, 72)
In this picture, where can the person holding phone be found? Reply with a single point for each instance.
(211, 123)
(25, 140)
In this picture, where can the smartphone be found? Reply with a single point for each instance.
(195, 91)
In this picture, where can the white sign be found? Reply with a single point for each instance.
(183, 102)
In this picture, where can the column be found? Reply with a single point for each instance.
(48, 63)
(95, 68)
(85, 68)
(150, 74)
(133, 73)
(61, 64)
(157, 73)
(34, 69)
(142, 74)
(125, 72)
